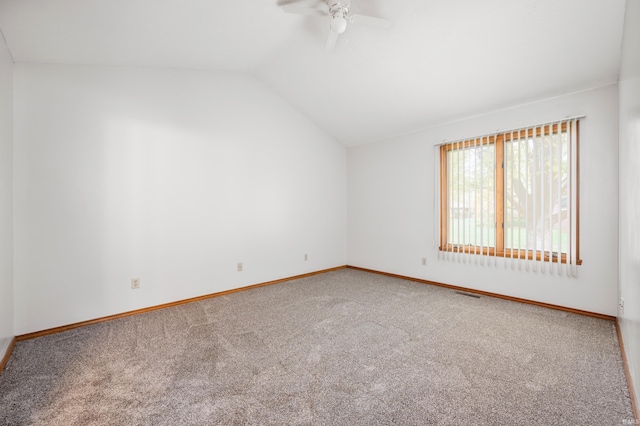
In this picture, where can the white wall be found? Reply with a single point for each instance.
(391, 205)
(6, 198)
(630, 190)
(166, 175)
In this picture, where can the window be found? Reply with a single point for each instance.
(512, 194)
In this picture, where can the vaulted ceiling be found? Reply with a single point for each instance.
(441, 60)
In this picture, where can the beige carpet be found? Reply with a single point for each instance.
(346, 347)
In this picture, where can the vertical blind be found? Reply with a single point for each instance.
(511, 195)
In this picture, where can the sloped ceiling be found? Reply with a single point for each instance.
(441, 59)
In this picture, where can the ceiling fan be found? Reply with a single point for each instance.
(338, 12)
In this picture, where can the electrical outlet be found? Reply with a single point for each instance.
(306, 257)
(424, 261)
(621, 306)
(239, 266)
(135, 283)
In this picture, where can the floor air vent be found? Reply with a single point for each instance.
(475, 296)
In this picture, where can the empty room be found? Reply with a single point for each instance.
(347, 212)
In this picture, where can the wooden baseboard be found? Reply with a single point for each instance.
(627, 372)
(7, 355)
(165, 305)
(486, 293)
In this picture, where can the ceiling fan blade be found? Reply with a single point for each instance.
(331, 41)
(370, 20)
(303, 10)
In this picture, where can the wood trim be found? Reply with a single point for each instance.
(578, 193)
(443, 196)
(469, 143)
(500, 205)
(627, 372)
(7, 355)
(486, 293)
(507, 136)
(166, 305)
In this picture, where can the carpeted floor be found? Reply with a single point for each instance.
(346, 347)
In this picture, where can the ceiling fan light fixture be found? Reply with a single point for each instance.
(338, 24)
(339, 17)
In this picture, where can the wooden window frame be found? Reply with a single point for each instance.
(499, 141)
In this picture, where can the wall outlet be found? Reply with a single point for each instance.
(239, 266)
(306, 257)
(135, 283)
(424, 261)
(621, 306)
